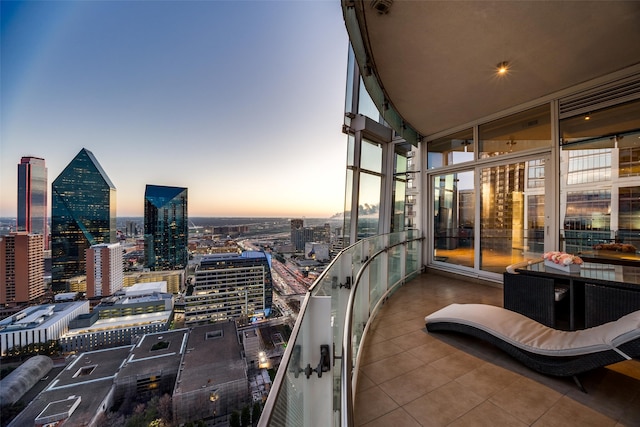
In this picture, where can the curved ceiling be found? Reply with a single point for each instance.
(436, 60)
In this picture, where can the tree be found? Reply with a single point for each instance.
(255, 412)
(246, 416)
(234, 419)
(165, 408)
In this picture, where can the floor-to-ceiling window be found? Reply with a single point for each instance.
(454, 218)
(369, 189)
(499, 199)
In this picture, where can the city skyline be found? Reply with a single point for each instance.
(240, 102)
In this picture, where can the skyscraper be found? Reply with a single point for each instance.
(32, 197)
(166, 227)
(83, 213)
(105, 272)
(21, 267)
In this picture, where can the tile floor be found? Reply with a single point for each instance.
(408, 377)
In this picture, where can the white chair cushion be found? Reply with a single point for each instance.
(529, 335)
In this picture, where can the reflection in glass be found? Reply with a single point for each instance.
(366, 107)
(399, 193)
(453, 225)
(368, 205)
(451, 149)
(502, 234)
(527, 130)
(348, 194)
(371, 156)
(600, 177)
(629, 216)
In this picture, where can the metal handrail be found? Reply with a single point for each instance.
(347, 365)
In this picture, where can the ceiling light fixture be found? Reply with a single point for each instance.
(502, 68)
(587, 116)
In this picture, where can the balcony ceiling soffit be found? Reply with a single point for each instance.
(437, 59)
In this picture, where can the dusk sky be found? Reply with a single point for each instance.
(239, 101)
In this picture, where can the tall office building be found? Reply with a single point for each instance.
(166, 227)
(32, 197)
(83, 213)
(297, 234)
(105, 271)
(230, 287)
(21, 267)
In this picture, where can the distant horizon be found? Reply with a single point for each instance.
(242, 103)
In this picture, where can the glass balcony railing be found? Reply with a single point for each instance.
(314, 383)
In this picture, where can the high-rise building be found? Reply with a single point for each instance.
(83, 213)
(21, 267)
(166, 227)
(32, 197)
(230, 287)
(105, 271)
(297, 234)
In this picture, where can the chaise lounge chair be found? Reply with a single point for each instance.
(544, 349)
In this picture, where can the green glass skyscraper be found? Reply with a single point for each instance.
(166, 227)
(83, 213)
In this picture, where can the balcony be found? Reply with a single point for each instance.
(402, 375)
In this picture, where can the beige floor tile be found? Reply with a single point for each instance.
(526, 399)
(414, 384)
(487, 415)
(378, 351)
(412, 340)
(457, 364)
(428, 353)
(568, 412)
(487, 380)
(364, 383)
(386, 369)
(372, 404)
(443, 405)
(396, 418)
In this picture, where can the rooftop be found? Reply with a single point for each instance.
(213, 356)
(89, 377)
(40, 316)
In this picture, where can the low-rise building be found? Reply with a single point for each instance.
(121, 319)
(79, 394)
(39, 324)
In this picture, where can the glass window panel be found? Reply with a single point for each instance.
(368, 205)
(371, 156)
(600, 154)
(348, 194)
(629, 219)
(348, 98)
(451, 149)
(629, 160)
(502, 216)
(350, 150)
(586, 219)
(605, 122)
(399, 192)
(454, 218)
(366, 107)
(522, 131)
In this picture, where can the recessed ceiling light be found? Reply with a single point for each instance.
(587, 116)
(503, 68)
